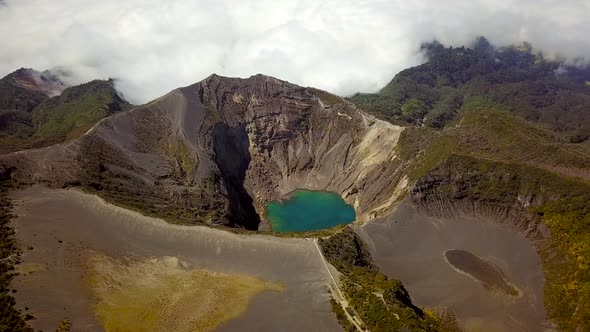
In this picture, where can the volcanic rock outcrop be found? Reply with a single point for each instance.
(215, 152)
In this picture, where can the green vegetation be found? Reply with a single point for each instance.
(503, 130)
(38, 122)
(300, 235)
(10, 318)
(341, 316)
(65, 325)
(491, 157)
(558, 202)
(345, 250)
(185, 161)
(521, 82)
(382, 303)
(76, 110)
(413, 108)
(489, 133)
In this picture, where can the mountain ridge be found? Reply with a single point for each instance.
(39, 110)
(216, 151)
(548, 92)
(197, 128)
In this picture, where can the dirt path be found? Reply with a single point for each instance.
(356, 320)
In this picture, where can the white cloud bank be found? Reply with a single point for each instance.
(343, 46)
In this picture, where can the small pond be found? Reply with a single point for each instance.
(306, 210)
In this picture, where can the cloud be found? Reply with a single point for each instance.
(343, 46)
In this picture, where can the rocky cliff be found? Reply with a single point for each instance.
(215, 152)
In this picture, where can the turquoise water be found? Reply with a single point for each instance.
(306, 210)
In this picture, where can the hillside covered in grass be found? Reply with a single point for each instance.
(548, 92)
(382, 303)
(32, 116)
(503, 134)
(11, 319)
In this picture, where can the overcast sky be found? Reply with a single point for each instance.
(343, 46)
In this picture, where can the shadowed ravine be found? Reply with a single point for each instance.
(230, 147)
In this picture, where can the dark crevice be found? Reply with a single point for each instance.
(232, 156)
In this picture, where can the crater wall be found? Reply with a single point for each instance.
(215, 152)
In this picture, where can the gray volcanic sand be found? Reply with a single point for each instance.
(56, 287)
(410, 246)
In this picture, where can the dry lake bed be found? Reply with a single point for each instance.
(496, 283)
(101, 265)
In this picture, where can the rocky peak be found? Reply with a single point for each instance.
(260, 85)
(45, 82)
(218, 150)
